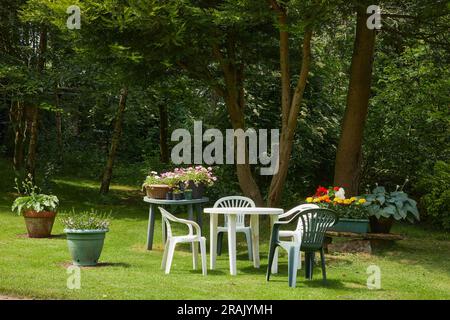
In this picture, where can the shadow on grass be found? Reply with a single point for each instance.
(53, 236)
(430, 254)
(214, 272)
(100, 265)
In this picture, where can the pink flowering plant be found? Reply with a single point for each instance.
(173, 179)
(198, 175)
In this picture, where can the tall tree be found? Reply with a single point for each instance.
(17, 118)
(349, 151)
(107, 173)
(233, 45)
(34, 109)
(163, 128)
(290, 100)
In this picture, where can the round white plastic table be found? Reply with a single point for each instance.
(254, 213)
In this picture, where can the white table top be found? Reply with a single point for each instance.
(248, 210)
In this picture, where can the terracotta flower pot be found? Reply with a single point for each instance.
(382, 225)
(39, 224)
(157, 191)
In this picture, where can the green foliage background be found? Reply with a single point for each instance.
(139, 43)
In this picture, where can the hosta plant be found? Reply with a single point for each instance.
(35, 202)
(395, 204)
(32, 199)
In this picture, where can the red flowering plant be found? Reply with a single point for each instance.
(334, 198)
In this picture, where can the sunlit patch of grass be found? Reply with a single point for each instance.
(89, 184)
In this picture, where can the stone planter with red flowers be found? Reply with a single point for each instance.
(352, 213)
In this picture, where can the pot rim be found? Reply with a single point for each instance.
(85, 230)
(157, 186)
(39, 214)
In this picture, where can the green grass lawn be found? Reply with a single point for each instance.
(415, 268)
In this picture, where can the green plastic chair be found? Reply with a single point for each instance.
(315, 223)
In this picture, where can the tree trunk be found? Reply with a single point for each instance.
(290, 106)
(107, 174)
(17, 118)
(32, 144)
(58, 123)
(235, 101)
(349, 152)
(163, 127)
(34, 110)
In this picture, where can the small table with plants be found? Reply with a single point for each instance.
(154, 203)
(182, 186)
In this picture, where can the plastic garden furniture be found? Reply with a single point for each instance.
(315, 223)
(192, 237)
(295, 235)
(236, 202)
(190, 204)
(254, 213)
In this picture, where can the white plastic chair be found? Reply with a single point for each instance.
(237, 202)
(296, 235)
(191, 237)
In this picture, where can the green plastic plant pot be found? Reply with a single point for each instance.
(351, 225)
(188, 195)
(85, 246)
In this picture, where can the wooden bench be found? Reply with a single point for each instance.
(359, 242)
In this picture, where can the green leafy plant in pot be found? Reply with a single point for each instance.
(38, 209)
(386, 207)
(86, 233)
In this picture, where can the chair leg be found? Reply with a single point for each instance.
(300, 260)
(298, 240)
(309, 265)
(203, 255)
(170, 255)
(272, 249)
(194, 255)
(324, 270)
(219, 242)
(248, 236)
(164, 259)
(293, 265)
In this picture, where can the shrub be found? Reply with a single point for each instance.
(436, 200)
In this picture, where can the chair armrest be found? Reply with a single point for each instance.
(191, 225)
(284, 215)
(286, 221)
